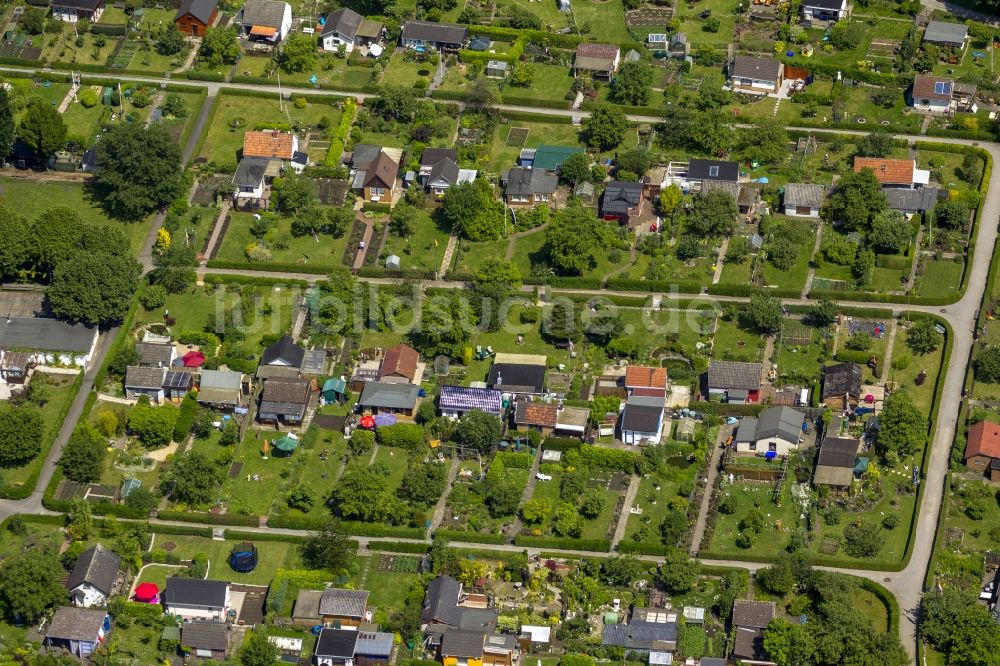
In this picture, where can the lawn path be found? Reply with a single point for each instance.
(888, 351)
(633, 254)
(521, 234)
(812, 268)
(374, 455)
(529, 488)
(442, 502)
(630, 493)
(912, 281)
(216, 237)
(449, 251)
(721, 260)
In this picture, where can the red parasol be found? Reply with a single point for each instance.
(193, 359)
(367, 422)
(146, 592)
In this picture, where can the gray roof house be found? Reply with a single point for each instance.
(736, 381)
(284, 399)
(803, 200)
(756, 74)
(441, 602)
(93, 577)
(389, 397)
(421, 34)
(835, 465)
(141, 381)
(335, 646)
(642, 420)
(196, 598)
(913, 202)
(78, 630)
(775, 431)
(373, 645)
(221, 388)
(528, 186)
(946, 34)
(750, 619)
(155, 354)
(345, 606)
(72, 343)
(207, 640)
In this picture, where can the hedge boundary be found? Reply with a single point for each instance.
(470, 537)
(591, 545)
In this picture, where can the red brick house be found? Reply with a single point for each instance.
(982, 449)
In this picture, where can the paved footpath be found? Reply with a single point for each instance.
(906, 585)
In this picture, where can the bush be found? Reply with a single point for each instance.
(89, 98)
(153, 297)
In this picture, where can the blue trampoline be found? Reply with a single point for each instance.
(243, 557)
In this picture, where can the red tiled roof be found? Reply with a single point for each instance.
(983, 440)
(536, 414)
(268, 143)
(400, 360)
(645, 376)
(888, 171)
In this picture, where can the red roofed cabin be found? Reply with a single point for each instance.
(647, 381)
(982, 449)
(399, 365)
(893, 172)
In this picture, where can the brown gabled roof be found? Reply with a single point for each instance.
(268, 143)
(887, 171)
(645, 376)
(381, 172)
(589, 50)
(928, 86)
(538, 414)
(983, 440)
(294, 391)
(400, 360)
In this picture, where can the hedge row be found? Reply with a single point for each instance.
(591, 545)
(402, 273)
(338, 137)
(470, 537)
(537, 117)
(517, 100)
(206, 76)
(851, 356)
(271, 267)
(181, 530)
(218, 278)
(632, 548)
(376, 207)
(399, 547)
(894, 261)
(97, 508)
(351, 527)
(209, 518)
(630, 110)
(889, 600)
(109, 30)
(878, 297)
(561, 444)
(874, 313)
(238, 535)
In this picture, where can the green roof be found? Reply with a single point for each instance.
(334, 384)
(551, 157)
(861, 466)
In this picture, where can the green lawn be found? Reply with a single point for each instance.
(941, 278)
(930, 363)
(322, 256)
(471, 255)
(63, 390)
(222, 142)
(31, 198)
(148, 60)
(735, 344)
(780, 521)
(202, 308)
(504, 157)
(272, 555)
(403, 74)
(38, 536)
(424, 248)
(387, 590)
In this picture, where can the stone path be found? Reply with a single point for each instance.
(630, 493)
(706, 500)
(216, 236)
(359, 260)
(68, 99)
(449, 251)
(154, 105)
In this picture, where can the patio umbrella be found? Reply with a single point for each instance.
(146, 592)
(193, 359)
(287, 444)
(266, 449)
(384, 419)
(367, 422)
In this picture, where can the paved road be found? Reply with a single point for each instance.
(906, 585)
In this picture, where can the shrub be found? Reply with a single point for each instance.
(89, 98)
(153, 297)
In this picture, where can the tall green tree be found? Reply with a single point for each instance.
(94, 288)
(765, 141)
(606, 128)
(30, 585)
(478, 430)
(258, 650)
(220, 46)
(855, 201)
(574, 240)
(762, 313)
(903, 429)
(493, 287)
(633, 84)
(194, 479)
(140, 169)
(21, 430)
(298, 52)
(154, 426)
(15, 234)
(329, 548)
(471, 211)
(713, 214)
(42, 128)
(83, 456)
(55, 235)
(890, 232)
(8, 128)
